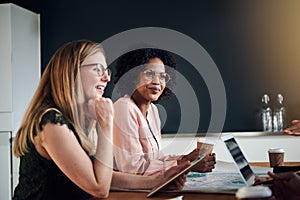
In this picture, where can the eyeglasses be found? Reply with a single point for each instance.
(162, 76)
(99, 69)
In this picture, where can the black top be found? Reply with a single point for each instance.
(40, 178)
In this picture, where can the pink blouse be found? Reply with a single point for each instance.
(137, 143)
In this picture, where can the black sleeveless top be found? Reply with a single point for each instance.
(40, 178)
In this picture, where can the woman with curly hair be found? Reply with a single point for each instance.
(65, 139)
(143, 77)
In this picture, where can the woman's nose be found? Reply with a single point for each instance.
(106, 76)
(155, 79)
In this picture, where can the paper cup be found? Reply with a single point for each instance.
(276, 156)
(205, 146)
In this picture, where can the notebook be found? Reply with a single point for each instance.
(239, 159)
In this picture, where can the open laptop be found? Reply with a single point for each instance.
(239, 159)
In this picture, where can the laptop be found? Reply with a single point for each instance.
(239, 159)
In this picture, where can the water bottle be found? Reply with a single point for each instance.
(266, 114)
(279, 114)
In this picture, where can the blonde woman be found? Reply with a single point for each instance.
(65, 139)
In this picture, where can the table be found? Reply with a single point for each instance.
(116, 195)
(267, 164)
(160, 196)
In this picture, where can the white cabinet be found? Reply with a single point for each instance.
(5, 167)
(19, 62)
(19, 77)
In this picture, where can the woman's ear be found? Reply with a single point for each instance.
(137, 83)
(137, 80)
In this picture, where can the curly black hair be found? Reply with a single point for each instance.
(138, 58)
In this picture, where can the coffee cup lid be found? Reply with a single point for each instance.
(276, 150)
(254, 192)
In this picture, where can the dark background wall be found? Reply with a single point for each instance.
(255, 45)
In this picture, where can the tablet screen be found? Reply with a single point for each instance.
(162, 185)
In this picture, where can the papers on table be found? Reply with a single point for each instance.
(224, 179)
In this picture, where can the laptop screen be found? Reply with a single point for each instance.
(239, 159)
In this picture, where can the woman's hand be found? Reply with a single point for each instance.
(207, 164)
(101, 109)
(189, 157)
(294, 129)
(178, 183)
(104, 109)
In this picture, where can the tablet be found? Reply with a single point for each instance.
(162, 185)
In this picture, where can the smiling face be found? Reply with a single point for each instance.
(92, 82)
(150, 89)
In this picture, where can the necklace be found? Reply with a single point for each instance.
(152, 133)
(148, 124)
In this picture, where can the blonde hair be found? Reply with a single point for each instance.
(58, 89)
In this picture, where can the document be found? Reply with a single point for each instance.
(224, 179)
